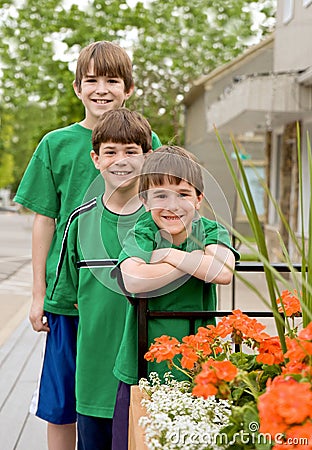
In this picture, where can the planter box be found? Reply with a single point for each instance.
(136, 433)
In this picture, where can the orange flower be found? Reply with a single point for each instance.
(204, 390)
(241, 327)
(212, 379)
(301, 434)
(298, 349)
(189, 357)
(286, 402)
(291, 303)
(207, 374)
(270, 351)
(198, 343)
(306, 333)
(225, 370)
(297, 367)
(164, 349)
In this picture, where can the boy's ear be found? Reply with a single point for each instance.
(129, 93)
(75, 87)
(198, 201)
(95, 159)
(145, 202)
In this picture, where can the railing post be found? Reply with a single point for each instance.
(142, 336)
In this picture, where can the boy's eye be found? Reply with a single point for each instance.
(131, 152)
(161, 196)
(90, 80)
(109, 153)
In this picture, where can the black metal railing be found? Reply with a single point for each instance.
(144, 314)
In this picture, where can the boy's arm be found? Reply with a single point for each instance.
(215, 265)
(42, 234)
(139, 277)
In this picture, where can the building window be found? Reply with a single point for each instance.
(288, 11)
(306, 2)
(255, 173)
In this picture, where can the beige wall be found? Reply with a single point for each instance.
(293, 40)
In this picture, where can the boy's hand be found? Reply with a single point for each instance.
(36, 316)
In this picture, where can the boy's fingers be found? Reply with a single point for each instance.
(40, 324)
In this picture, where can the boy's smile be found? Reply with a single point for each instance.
(173, 208)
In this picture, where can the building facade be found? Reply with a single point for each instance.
(258, 99)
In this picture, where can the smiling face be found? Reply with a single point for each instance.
(99, 94)
(120, 165)
(173, 208)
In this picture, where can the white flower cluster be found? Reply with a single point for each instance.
(177, 420)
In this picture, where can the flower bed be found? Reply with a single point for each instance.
(268, 391)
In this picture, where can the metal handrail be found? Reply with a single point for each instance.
(144, 314)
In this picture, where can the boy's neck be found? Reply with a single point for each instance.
(122, 202)
(87, 123)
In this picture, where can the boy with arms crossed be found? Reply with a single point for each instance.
(174, 256)
(91, 245)
(54, 184)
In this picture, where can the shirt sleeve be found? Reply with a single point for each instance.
(138, 243)
(37, 190)
(215, 233)
(155, 141)
(64, 292)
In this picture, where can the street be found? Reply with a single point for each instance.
(15, 270)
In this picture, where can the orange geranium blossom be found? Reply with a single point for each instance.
(289, 303)
(285, 409)
(270, 351)
(240, 327)
(164, 349)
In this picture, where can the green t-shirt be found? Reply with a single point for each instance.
(91, 245)
(186, 294)
(60, 177)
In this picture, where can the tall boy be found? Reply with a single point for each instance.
(55, 182)
(91, 245)
(172, 255)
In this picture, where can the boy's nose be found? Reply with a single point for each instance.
(120, 160)
(101, 87)
(172, 203)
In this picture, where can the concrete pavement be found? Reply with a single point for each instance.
(15, 270)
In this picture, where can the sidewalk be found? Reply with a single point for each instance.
(20, 359)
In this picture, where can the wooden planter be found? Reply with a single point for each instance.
(136, 433)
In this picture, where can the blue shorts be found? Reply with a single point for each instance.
(54, 399)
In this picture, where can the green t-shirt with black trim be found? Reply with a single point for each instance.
(61, 176)
(185, 294)
(90, 249)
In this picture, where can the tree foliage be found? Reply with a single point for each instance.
(171, 43)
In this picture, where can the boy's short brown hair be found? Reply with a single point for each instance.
(124, 126)
(109, 60)
(171, 163)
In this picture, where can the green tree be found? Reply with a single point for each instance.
(6, 170)
(171, 42)
(179, 41)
